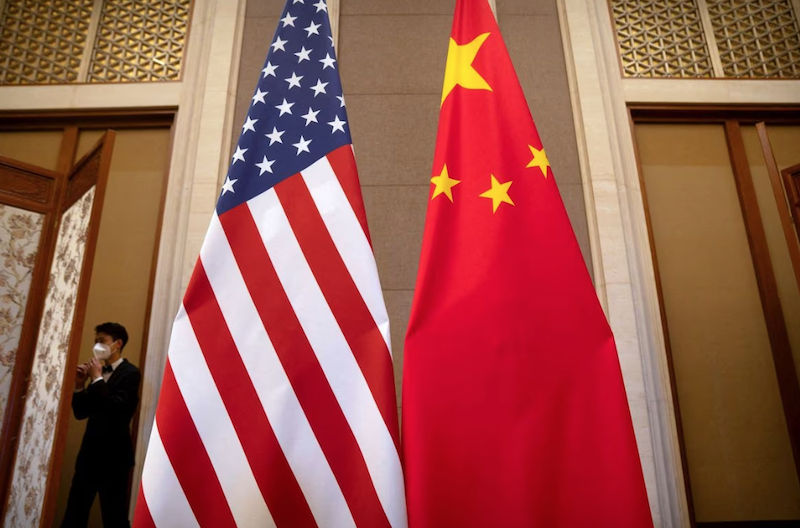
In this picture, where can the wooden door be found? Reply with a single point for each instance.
(726, 321)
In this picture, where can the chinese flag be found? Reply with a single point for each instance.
(514, 409)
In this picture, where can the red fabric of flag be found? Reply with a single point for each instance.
(514, 409)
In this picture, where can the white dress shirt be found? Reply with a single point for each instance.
(107, 375)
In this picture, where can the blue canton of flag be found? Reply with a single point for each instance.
(297, 113)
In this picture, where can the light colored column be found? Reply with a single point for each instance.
(202, 138)
(623, 268)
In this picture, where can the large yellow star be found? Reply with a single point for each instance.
(498, 193)
(444, 184)
(459, 70)
(539, 160)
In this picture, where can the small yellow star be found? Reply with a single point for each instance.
(459, 70)
(498, 193)
(539, 160)
(444, 184)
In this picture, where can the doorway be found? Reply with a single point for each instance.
(120, 284)
(730, 304)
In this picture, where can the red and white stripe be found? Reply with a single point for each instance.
(278, 406)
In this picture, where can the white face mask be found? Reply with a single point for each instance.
(102, 351)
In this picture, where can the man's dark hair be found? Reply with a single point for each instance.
(115, 330)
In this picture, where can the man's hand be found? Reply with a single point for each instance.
(95, 369)
(80, 377)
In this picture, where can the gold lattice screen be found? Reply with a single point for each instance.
(708, 38)
(756, 38)
(67, 41)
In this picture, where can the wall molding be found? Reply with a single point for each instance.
(711, 91)
(91, 96)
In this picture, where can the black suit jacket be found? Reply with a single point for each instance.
(109, 406)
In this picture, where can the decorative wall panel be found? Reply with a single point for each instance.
(42, 41)
(45, 41)
(44, 390)
(140, 40)
(662, 38)
(708, 38)
(756, 38)
(19, 243)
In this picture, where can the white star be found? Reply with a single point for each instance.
(297, 2)
(288, 20)
(302, 146)
(303, 54)
(321, 6)
(312, 29)
(259, 96)
(228, 185)
(269, 69)
(336, 124)
(238, 156)
(328, 61)
(278, 44)
(330, 37)
(293, 81)
(319, 88)
(265, 166)
(285, 108)
(275, 135)
(341, 98)
(249, 125)
(310, 116)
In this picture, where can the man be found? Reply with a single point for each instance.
(106, 454)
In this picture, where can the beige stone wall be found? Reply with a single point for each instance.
(392, 57)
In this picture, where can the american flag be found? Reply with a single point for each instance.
(277, 406)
